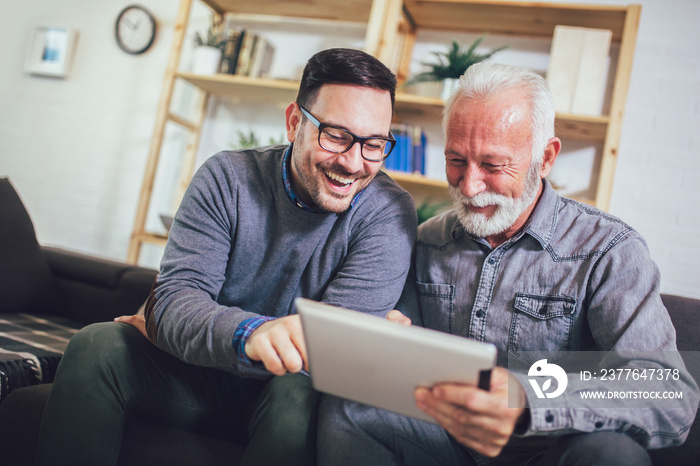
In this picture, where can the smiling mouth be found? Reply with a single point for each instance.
(338, 180)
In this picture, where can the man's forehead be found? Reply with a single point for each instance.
(354, 107)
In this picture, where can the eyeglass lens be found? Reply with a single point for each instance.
(338, 140)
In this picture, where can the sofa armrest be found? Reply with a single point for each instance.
(95, 289)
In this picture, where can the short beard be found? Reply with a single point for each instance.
(311, 179)
(507, 212)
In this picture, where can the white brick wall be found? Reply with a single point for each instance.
(657, 182)
(76, 148)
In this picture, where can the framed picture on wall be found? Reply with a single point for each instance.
(51, 52)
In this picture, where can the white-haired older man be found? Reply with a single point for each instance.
(536, 274)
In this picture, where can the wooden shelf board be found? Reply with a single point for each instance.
(584, 128)
(342, 10)
(512, 17)
(415, 178)
(419, 103)
(590, 128)
(259, 89)
(422, 188)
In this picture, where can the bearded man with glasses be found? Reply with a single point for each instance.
(256, 229)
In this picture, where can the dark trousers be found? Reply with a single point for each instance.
(110, 371)
(354, 434)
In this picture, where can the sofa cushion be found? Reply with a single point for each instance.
(31, 347)
(27, 282)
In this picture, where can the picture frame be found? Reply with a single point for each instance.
(51, 52)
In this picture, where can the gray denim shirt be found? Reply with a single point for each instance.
(573, 279)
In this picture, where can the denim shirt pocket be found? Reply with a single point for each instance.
(541, 327)
(437, 305)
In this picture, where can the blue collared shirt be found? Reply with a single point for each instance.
(573, 279)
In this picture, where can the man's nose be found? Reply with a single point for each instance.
(352, 159)
(472, 182)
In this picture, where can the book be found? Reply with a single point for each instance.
(261, 60)
(408, 155)
(419, 144)
(229, 56)
(246, 49)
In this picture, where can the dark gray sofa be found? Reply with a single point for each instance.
(75, 290)
(46, 294)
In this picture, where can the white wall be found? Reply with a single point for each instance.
(76, 148)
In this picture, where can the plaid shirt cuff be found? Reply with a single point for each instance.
(242, 333)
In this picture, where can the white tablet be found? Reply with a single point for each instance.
(380, 363)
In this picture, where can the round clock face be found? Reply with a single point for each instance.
(135, 29)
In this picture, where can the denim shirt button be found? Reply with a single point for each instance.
(492, 260)
(549, 417)
(599, 424)
(480, 313)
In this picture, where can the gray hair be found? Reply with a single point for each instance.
(484, 80)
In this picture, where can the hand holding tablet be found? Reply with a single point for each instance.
(381, 363)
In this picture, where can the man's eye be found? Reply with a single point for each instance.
(492, 167)
(374, 145)
(336, 135)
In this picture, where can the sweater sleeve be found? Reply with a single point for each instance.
(190, 323)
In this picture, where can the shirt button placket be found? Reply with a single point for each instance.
(483, 298)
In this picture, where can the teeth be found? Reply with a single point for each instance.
(339, 179)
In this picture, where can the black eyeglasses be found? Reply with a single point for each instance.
(339, 140)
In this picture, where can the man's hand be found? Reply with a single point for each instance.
(137, 320)
(279, 344)
(480, 420)
(398, 317)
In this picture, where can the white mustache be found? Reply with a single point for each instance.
(484, 199)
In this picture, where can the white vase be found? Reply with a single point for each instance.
(205, 60)
(448, 87)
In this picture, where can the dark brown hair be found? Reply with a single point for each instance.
(344, 66)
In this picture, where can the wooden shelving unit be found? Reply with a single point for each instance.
(530, 19)
(388, 23)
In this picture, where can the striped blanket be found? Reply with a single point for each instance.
(30, 349)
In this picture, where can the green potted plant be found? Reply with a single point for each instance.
(429, 209)
(452, 64)
(250, 140)
(207, 51)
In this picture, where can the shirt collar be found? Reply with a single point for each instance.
(287, 182)
(543, 219)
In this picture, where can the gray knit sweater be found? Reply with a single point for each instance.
(240, 248)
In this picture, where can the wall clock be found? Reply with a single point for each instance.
(135, 29)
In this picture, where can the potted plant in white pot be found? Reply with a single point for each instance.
(207, 51)
(451, 65)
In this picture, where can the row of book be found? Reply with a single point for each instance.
(409, 154)
(246, 53)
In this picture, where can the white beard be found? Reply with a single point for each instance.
(507, 212)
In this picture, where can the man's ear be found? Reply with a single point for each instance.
(293, 121)
(550, 155)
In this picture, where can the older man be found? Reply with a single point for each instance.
(536, 274)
